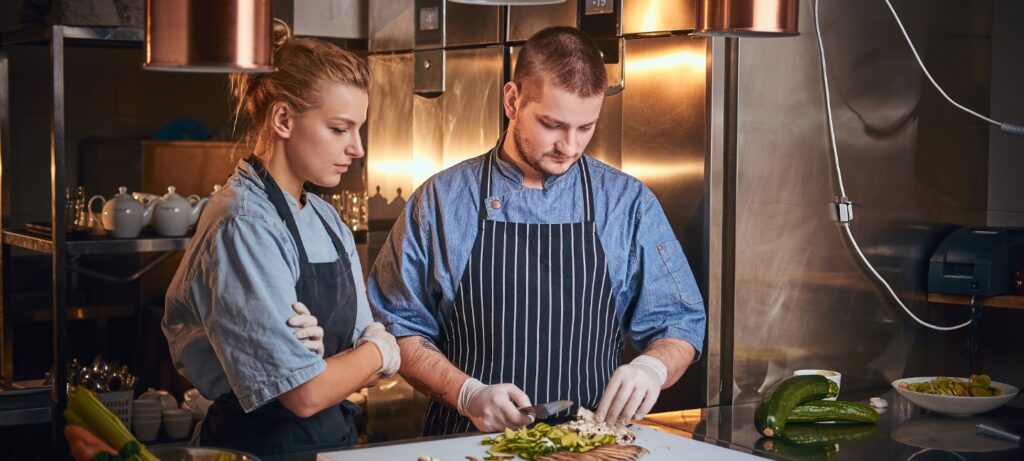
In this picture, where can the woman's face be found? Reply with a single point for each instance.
(324, 140)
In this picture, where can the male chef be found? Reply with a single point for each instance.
(513, 278)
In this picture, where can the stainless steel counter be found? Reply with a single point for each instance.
(904, 433)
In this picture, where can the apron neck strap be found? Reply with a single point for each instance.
(488, 167)
(276, 197)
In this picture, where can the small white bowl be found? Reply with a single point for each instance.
(178, 428)
(146, 431)
(953, 405)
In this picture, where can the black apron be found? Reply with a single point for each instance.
(534, 308)
(329, 292)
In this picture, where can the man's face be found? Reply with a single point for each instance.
(550, 133)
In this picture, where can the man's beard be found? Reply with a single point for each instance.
(524, 148)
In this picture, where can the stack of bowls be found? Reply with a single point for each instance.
(177, 423)
(146, 417)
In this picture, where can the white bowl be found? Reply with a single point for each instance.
(953, 405)
(178, 428)
(146, 431)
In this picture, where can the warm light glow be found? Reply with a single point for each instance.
(690, 60)
(678, 170)
(419, 169)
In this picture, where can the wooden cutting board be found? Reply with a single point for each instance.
(662, 445)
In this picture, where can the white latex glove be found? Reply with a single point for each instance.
(306, 329)
(391, 357)
(632, 390)
(495, 407)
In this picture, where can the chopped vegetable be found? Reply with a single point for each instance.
(85, 409)
(978, 386)
(541, 439)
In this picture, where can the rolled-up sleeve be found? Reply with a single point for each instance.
(243, 291)
(399, 286)
(666, 300)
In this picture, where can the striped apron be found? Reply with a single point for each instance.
(534, 308)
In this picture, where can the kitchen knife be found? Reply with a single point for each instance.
(546, 410)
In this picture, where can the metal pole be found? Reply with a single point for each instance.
(6, 341)
(58, 181)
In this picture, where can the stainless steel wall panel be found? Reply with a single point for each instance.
(472, 102)
(648, 16)
(524, 21)
(389, 139)
(443, 24)
(802, 299)
(390, 25)
(663, 136)
(473, 24)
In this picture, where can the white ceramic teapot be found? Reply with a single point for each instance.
(123, 216)
(200, 203)
(174, 214)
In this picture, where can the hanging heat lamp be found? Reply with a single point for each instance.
(747, 18)
(209, 35)
(509, 2)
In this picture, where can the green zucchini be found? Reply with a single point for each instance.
(825, 410)
(779, 447)
(811, 433)
(773, 411)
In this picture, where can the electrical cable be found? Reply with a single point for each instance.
(842, 190)
(1005, 127)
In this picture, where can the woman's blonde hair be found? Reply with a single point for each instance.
(303, 66)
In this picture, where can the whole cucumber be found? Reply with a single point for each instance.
(811, 433)
(825, 410)
(773, 411)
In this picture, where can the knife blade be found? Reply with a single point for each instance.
(546, 410)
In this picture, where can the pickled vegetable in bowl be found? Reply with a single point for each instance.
(943, 394)
(977, 386)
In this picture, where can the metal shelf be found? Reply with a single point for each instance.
(1005, 301)
(113, 37)
(94, 245)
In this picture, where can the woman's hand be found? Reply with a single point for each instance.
(390, 355)
(307, 331)
(84, 444)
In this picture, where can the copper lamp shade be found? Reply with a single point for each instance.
(747, 18)
(209, 35)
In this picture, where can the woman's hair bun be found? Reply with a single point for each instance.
(281, 34)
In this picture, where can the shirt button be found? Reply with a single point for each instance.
(496, 204)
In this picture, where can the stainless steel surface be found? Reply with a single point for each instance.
(391, 25)
(915, 166)
(904, 432)
(441, 24)
(168, 453)
(198, 36)
(25, 416)
(650, 16)
(524, 21)
(89, 246)
(663, 145)
(546, 410)
(429, 73)
(6, 329)
(389, 139)
(720, 200)
(113, 36)
(747, 18)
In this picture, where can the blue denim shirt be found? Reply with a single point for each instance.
(228, 304)
(418, 271)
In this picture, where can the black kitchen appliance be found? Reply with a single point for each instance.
(977, 261)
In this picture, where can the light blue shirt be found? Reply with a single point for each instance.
(417, 273)
(228, 304)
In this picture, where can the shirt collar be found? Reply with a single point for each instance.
(515, 175)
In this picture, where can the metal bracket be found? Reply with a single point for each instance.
(971, 346)
(118, 279)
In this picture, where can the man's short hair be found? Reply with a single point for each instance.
(563, 56)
